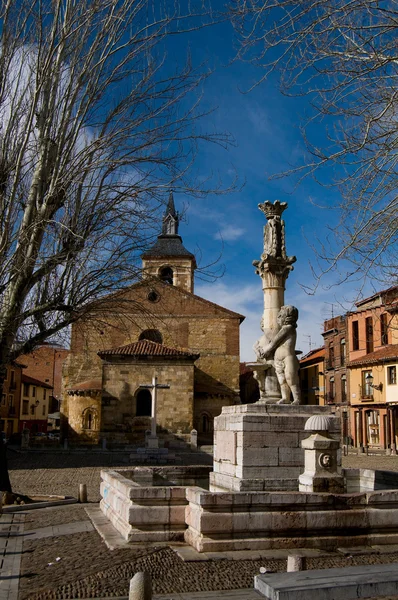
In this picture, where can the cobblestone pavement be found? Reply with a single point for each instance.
(87, 569)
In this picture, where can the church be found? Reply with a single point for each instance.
(159, 328)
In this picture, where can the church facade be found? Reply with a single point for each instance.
(155, 328)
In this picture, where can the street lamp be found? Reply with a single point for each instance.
(369, 381)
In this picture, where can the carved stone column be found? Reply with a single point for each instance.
(273, 267)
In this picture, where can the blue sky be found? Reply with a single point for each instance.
(265, 125)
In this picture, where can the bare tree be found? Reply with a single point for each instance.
(97, 123)
(342, 55)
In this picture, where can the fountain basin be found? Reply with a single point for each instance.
(160, 504)
(148, 504)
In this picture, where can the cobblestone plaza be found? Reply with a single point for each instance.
(62, 555)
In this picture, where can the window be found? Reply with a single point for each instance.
(144, 404)
(26, 390)
(153, 296)
(355, 335)
(384, 329)
(89, 418)
(369, 334)
(166, 275)
(33, 391)
(3, 399)
(344, 388)
(44, 410)
(153, 335)
(25, 407)
(331, 389)
(44, 394)
(10, 400)
(342, 352)
(367, 391)
(392, 375)
(331, 355)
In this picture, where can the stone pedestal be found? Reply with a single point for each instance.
(152, 441)
(257, 447)
(322, 469)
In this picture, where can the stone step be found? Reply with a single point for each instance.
(364, 581)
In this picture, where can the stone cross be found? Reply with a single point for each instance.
(154, 386)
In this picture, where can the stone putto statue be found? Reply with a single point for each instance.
(280, 353)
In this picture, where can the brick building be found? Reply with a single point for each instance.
(155, 327)
(45, 364)
(336, 352)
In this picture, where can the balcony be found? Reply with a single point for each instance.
(366, 394)
(330, 398)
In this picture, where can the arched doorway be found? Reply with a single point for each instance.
(143, 404)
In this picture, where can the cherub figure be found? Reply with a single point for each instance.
(282, 349)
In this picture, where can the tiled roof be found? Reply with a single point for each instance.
(33, 381)
(316, 354)
(147, 348)
(386, 354)
(393, 288)
(167, 245)
(84, 386)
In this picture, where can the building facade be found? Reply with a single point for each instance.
(312, 377)
(11, 399)
(336, 352)
(35, 401)
(373, 352)
(157, 326)
(45, 364)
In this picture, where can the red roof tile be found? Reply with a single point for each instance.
(315, 354)
(386, 354)
(147, 348)
(33, 381)
(91, 384)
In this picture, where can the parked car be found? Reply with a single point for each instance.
(39, 435)
(53, 435)
(4, 437)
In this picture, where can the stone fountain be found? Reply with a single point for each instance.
(277, 480)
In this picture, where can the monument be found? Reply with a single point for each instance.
(276, 369)
(257, 447)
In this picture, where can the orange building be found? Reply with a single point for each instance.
(372, 364)
(312, 380)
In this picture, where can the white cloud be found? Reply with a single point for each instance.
(229, 233)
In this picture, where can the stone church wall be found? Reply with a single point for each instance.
(174, 406)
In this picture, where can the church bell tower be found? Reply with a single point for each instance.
(167, 259)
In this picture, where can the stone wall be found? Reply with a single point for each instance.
(77, 427)
(122, 380)
(184, 321)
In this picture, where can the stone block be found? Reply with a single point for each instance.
(225, 446)
(257, 457)
(290, 456)
(248, 472)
